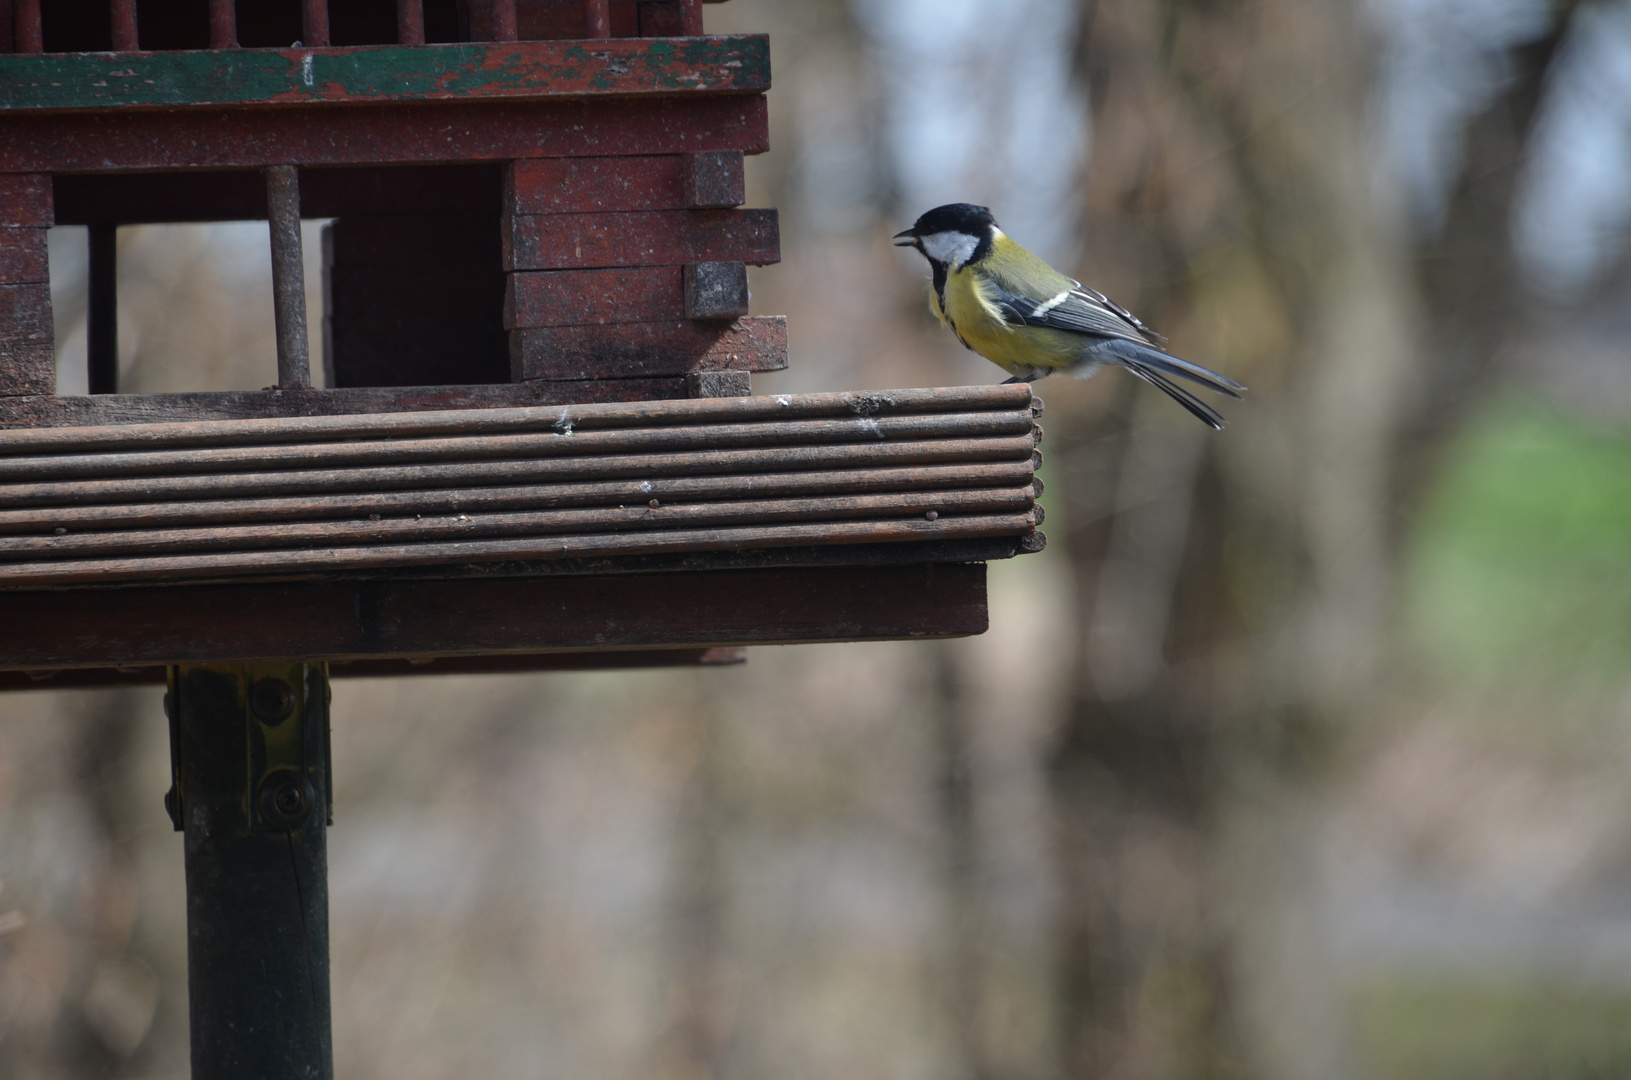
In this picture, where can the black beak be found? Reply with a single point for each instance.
(907, 238)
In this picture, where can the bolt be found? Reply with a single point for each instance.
(272, 700)
(653, 504)
(285, 798)
(932, 515)
(59, 531)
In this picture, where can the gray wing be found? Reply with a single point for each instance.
(1124, 340)
(1080, 310)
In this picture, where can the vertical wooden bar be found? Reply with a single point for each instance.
(28, 363)
(249, 752)
(123, 14)
(30, 37)
(8, 27)
(504, 26)
(102, 311)
(288, 277)
(597, 19)
(410, 22)
(691, 18)
(314, 23)
(223, 24)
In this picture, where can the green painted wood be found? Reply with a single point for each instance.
(378, 73)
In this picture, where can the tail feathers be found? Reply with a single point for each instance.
(1131, 353)
(1198, 408)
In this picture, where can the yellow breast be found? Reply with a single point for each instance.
(979, 325)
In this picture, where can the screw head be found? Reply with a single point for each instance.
(285, 798)
(272, 700)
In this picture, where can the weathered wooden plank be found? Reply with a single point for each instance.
(407, 133)
(517, 70)
(650, 238)
(34, 409)
(18, 471)
(358, 505)
(476, 531)
(89, 678)
(425, 476)
(716, 290)
(378, 558)
(719, 384)
(23, 256)
(715, 179)
(593, 297)
(629, 350)
(594, 185)
(25, 313)
(25, 199)
(402, 419)
(342, 620)
(137, 198)
(26, 368)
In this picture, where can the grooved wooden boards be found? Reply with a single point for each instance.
(360, 495)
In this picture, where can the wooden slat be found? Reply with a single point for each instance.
(467, 475)
(25, 199)
(28, 362)
(37, 409)
(559, 440)
(651, 238)
(26, 368)
(99, 678)
(343, 620)
(407, 133)
(629, 350)
(331, 561)
(138, 198)
(400, 414)
(23, 256)
(44, 520)
(595, 185)
(715, 179)
(367, 495)
(638, 517)
(593, 297)
(251, 78)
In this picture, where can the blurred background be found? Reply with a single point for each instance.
(1298, 753)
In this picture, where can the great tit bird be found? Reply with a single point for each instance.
(1030, 320)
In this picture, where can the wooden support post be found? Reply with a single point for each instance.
(27, 32)
(288, 277)
(691, 18)
(314, 23)
(597, 19)
(27, 356)
(250, 787)
(504, 25)
(223, 24)
(123, 13)
(102, 311)
(410, 22)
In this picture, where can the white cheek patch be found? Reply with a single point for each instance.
(952, 248)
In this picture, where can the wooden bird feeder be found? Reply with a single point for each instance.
(535, 449)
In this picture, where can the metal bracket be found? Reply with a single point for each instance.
(286, 742)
